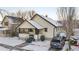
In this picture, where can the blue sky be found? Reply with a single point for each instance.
(50, 11)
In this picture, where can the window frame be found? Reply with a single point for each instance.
(30, 30)
(6, 23)
(45, 29)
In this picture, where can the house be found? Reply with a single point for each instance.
(51, 27)
(9, 24)
(29, 27)
(39, 25)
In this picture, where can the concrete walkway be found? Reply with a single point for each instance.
(66, 46)
(22, 44)
(12, 48)
(19, 46)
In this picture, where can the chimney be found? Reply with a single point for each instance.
(46, 15)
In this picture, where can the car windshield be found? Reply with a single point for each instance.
(56, 41)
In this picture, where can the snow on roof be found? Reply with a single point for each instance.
(13, 19)
(36, 24)
(75, 37)
(51, 21)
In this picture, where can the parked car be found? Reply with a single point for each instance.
(57, 43)
(63, 35)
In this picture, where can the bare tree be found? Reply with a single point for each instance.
(3, 13)
(26, 14)
(19, 14)
(68, 16)
(31, 13)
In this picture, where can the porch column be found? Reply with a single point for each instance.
(37, 33)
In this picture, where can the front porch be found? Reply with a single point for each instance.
(5, 32)
(26, 32)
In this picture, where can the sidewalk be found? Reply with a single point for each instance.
(65, 46)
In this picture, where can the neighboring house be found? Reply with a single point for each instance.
(51, 27)
(28, 28)
(10, 23)
(1, 30)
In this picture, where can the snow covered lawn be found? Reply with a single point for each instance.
(3, 49)
(38, 46)
(10, 41)
(66, 46)
(75, 48)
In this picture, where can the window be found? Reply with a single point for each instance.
(45, 29)
(23, 30)
(7, 31)
(6, 23)
(30, 30)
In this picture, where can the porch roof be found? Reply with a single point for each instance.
(2, 29)
(36, 25)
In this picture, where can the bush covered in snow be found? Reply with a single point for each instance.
(42, 38)
(72, 42)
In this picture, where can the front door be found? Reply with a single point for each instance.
(37, 31)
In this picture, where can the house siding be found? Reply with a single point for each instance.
(42, 22)
(11, 26)
(26, 25)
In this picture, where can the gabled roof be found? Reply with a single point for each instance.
(13, 19)
(34, 24)
(49, 20)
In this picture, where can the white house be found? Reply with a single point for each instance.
(39, 25)
(29, 27)
(51, 26)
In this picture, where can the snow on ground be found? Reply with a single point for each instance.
(42, 43)
(38, 46)
(75, 48)
(10, 41)
(3, 49)
(36, 25)
(65, 46)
